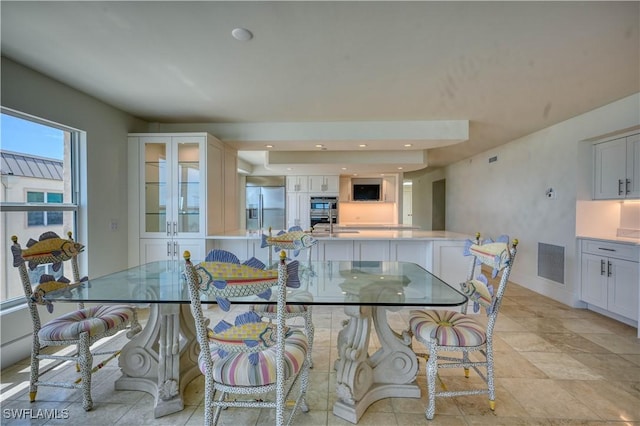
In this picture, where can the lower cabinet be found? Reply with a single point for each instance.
(152, 249)
(610, 277)
(327, 250)
(371, 250)
(442, 258)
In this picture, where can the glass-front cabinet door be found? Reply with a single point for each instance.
(173, 186)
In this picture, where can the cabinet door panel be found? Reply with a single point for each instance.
(633, 167)
(610, 173)
(155, 192)
(594, 281)
(623, 288)
(152, 250)
(409, 251)
(371, 250)
(334, 250)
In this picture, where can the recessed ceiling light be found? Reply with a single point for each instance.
(241, 34)
(289, 168)
(344, 168)
(268, 146)
(399, 168)
(363, 145)
(407, 145)
(319, 145)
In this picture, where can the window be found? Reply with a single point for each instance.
(38, 190)
(44, 218)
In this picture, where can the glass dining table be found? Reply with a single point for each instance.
(162, 358)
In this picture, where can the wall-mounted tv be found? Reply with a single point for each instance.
(366, 192)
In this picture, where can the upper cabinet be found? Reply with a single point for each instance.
(172, 180)
(297, 184)
(617, 168)
(345, 189)
(388, 189)
(178, 187)
(329, 184)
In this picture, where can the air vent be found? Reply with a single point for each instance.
(551, 262)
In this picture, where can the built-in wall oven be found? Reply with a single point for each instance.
(323, 208)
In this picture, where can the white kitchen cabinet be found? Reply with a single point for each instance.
(345, 189)
(408, 251)
(617, 168)
(445, 260)
(298, 210)
(371, 250)
(153, 249)
(297, 184)
(324, 184)
(333, 250)
(177, 188)
(610, 277)
(389, 189)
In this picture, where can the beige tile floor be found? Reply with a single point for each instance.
(554, 366)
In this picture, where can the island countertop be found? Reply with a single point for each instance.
(356, 234)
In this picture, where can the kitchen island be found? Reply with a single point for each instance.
(439, 252)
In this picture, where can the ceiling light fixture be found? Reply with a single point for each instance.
(319, 145)
(407, 145)
(363, 145)
(268, 146)
(241, 34)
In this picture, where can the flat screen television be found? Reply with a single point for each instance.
(366, 192)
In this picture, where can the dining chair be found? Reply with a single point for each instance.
(297, 310)
(42, 261)
(452, 331)
(250, 357)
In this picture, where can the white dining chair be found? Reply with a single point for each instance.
(452, 331)
(82, 327)
(251, 357)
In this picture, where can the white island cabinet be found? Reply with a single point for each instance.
(439, 252)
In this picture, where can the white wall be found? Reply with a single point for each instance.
(104, 185)
(508, 196)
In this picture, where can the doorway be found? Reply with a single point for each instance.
(407, 202)
(438, 204)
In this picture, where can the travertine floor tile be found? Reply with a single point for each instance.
(554, 365)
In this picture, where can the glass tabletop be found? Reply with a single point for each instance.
(322, 283)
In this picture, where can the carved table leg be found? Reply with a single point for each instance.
(162, 359)
(362, 379)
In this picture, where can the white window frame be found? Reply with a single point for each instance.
(78, 138)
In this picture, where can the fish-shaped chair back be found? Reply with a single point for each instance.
(498, 255)
(294, 239)
(48, 249)
(222, 276)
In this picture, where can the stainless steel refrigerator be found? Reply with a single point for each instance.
(265, 197)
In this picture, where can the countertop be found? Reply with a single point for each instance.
(362, 234)
(611, 238)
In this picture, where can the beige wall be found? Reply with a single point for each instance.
(103, 183)
(508, 196)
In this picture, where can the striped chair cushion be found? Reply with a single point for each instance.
(293, 296)
(449, 328)
(272, 309)
(234, 369)
(95, 320)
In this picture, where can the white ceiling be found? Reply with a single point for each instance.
(465, 76)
